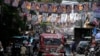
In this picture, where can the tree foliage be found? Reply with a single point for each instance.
(10, 20)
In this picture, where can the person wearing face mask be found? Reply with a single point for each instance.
(1, 49)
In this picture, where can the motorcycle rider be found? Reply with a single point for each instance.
(97, 49)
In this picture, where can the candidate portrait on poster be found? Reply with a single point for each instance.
(33, 7)
(59, 9)
(37, 6)
(64, 9)
(45, 16)
(76, 9)
(86, 7)
(49, 8)
(54, 8)
(94, 6)
(68, 8)
(63, 18)
(53, 17)
(46, 7)
(41, 7)
(15, 3)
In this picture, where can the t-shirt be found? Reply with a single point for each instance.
(23, 50)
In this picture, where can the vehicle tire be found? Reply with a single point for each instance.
(40, 54)
(91, 54)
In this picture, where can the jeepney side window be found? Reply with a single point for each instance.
(41, 39)
(48, 41)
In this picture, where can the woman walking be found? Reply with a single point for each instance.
(23, 50)
(1, 49)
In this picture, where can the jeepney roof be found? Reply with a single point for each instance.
(51, 35)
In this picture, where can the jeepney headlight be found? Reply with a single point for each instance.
(47, 49)
(52, 50)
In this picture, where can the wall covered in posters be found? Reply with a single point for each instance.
(58, 13)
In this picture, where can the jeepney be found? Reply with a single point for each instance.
(50, 43)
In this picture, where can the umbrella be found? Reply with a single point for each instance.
(97, 36)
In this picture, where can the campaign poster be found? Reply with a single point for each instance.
(49, 8)
(44, 18)
(23, 5)
(59, 9)
(86, 7)
(28, 5)
(37, 5)
(40, 18)
(34, 17)
(94, 6)
(58, 19)
(63, 18)
(7, 2)
(54, 8)
(96, 9)
(15, 3)
(76, 9)
(33, 6)
(45, 8)
(64, 8)
(29, 17)
(49, 18)
(69, 8)
(53, 17)
(41, 8)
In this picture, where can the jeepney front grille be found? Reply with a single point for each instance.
(53, 50)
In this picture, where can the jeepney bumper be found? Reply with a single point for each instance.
(53, 54)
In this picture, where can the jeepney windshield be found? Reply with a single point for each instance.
(52, 41)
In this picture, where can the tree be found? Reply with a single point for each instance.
(10, 21)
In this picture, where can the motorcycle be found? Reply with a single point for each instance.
(91, 52)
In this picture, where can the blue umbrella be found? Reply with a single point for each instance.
(97, 36)
(94, 31)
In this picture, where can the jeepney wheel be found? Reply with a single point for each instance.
(64, 54)
(40, 53)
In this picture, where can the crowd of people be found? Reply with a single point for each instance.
(15, 49)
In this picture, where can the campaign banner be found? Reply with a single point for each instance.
(58, 19)
(40, 17)
(37, 6)
(23, 5)
(59, 9)
(44, 18)
(86, 7)
(72, 15)
(33, 7)
(29, 17)
(53, 17)
(41, 7)
(94, 6)
(54, 8)
(7, 2)
(96, 9)
(76, 8)
(69, 8)
(63, 18)
(15, 3)
(34, 17)
(49, 8)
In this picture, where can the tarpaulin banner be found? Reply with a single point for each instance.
(15, 3)
(49, 7)
(96, 9)
(7, 2)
